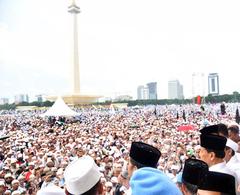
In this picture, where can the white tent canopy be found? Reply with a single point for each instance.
(59, 108)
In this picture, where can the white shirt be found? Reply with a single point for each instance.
(237, 155)
(234, 165)
(222, 168)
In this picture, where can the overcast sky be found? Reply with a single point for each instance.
(122, 44)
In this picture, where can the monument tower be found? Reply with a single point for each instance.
(75, 97)
(74, 10)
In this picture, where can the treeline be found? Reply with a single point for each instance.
(157, 102)
(228, 98)
(235, 97)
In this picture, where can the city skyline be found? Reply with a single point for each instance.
(200, 86)
(175, 90)
(118, 49)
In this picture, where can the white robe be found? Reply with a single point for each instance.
(234, 165)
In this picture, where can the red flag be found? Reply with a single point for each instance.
(199, 100)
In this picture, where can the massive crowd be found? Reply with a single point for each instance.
(39, 149)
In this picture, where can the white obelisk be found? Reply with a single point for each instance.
(74, 10)
(75, 98)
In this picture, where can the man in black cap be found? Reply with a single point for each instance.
(193, 173)
(219, 129)
(142, 155)
(213, 152)
(144, 176)
(216, 183)
(197, 179)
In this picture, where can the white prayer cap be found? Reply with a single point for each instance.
(15, 181)
(2, 183)
(16, 192)
(7, 191)
(13, 160)
(164, 151)
(114, 180)
(81, 175)
(20, 177)
(8, 175)
(98, 158)
(174, 167)
(233, 145)
(108, 184)
(49, 161)
(103, 180)
(51, 190)
(31, 164)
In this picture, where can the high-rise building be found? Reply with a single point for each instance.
(145, 93)
(21, 98)
(39, 98)
(139, 92)
(4, 101)
(198, 84)
(152, 88)
(142, 92)
(175, 90)
(213, 84)
(181, 95)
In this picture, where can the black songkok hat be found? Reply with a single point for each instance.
(194, 171)
(144, 154)
(213, 129)
(213, 142)
(218, 182)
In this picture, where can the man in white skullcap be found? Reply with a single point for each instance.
(109, 187)
(16, 192)
(82, 176)
(230, 156)
(16, 186)
(51, 190)
(7, 192)
(2, 186)
(230, 151)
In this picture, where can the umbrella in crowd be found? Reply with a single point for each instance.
(186, 128)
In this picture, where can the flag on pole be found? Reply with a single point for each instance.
(198, 99)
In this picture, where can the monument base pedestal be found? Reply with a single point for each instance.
(76, 99)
